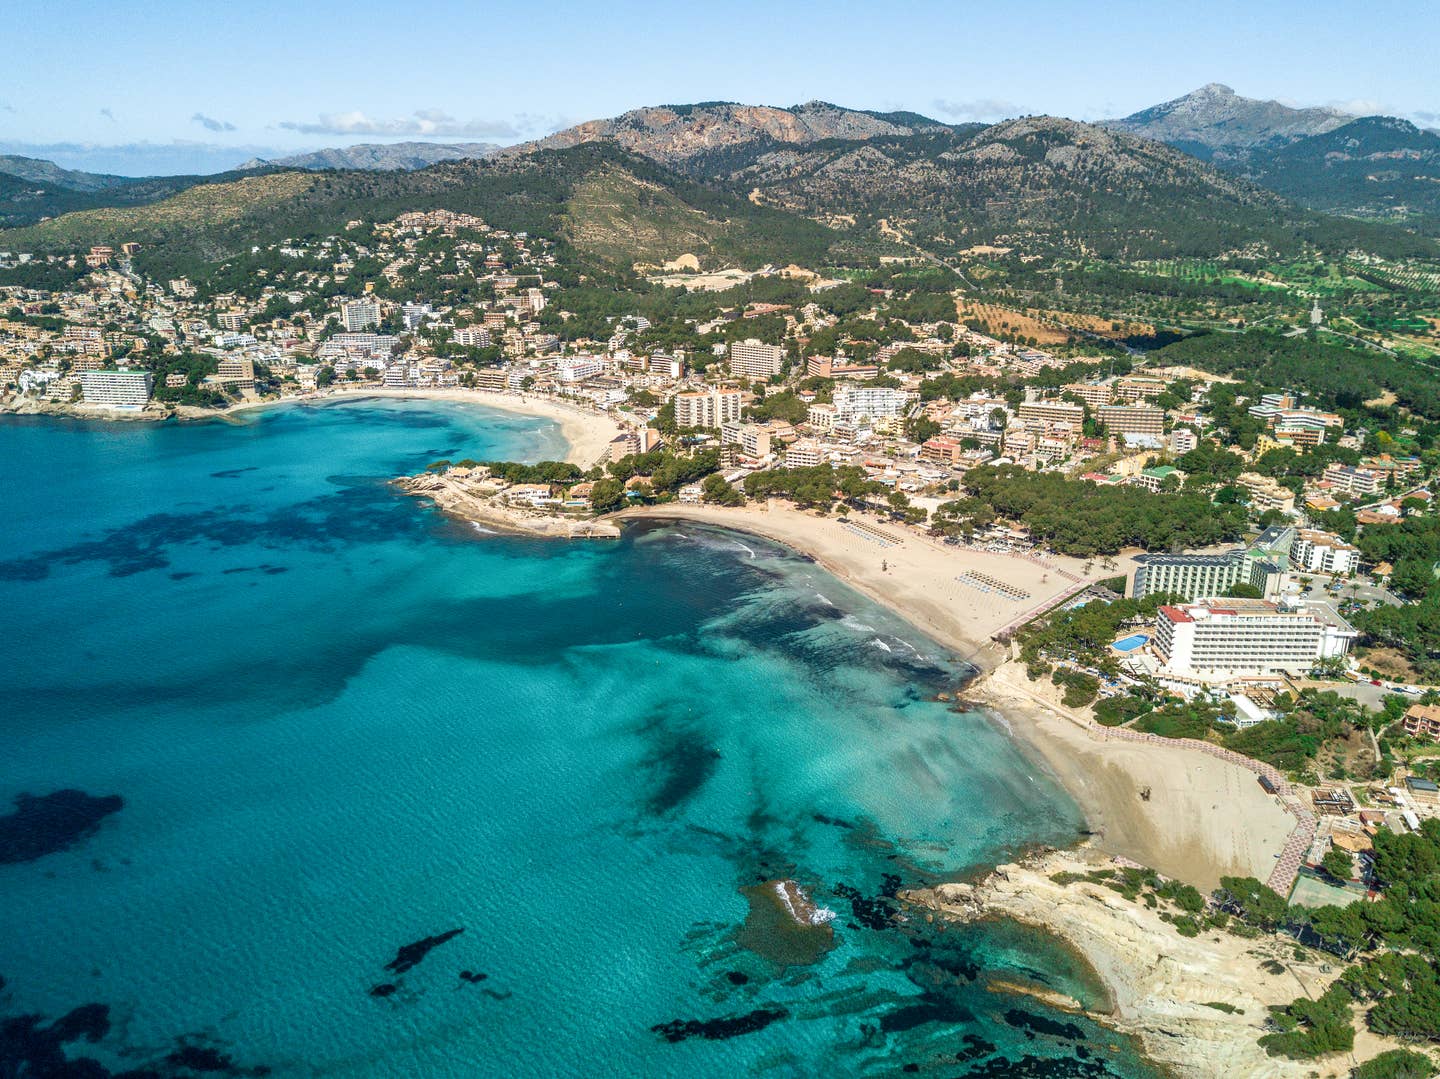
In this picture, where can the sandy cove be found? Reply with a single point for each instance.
(915, 576)
(586, 432)
(1160, 982)
(1206, 818)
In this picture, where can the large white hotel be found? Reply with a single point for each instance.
(1232, 637)
(116, 389)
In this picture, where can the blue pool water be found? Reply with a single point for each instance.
(341, 727)
(1130, 643)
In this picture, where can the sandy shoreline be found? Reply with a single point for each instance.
(587, 433)
(1205, 818)
(915, 576)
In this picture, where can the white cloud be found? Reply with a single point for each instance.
(423, 122)
(985, 108)
(209, 123)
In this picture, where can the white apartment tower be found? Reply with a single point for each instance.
(753, 360)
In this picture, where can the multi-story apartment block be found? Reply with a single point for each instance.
(579, 368)
(1183, 440)
(116, 389)
(472, 337)
(1320, 552)
(802, 454)
(1046, 413)
(1093, 394)
(1265, 493)
(706, 408)
(358, 315)
(876, 402)
(754, 360)
(1358, 481)
(1133, 419)
(752, 438)
(1423, 721)
(1138, 388)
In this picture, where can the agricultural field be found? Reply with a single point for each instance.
(1009, 323)
(1045, 327)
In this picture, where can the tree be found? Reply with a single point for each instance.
(325, 376)
(607, 495)
(1338, 863)
(717, 490)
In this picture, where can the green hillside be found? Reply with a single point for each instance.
(613, 207)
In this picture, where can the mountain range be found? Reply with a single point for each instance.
(1204, 174)
(375, 155)
(1214, 123)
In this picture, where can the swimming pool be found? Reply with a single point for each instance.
(1130, 643)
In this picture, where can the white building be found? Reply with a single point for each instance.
(754, 360)
(1229, 637)
(579, 368)
(1183, 440)
(876, 402)
(706, 408)
(1320, 552)
(472, 337)
(117, 389)
(802, 455)
(360, 315)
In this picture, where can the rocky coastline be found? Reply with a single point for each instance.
(1197, 1005)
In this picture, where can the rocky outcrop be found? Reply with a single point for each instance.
(1164, 985)
(471, 495)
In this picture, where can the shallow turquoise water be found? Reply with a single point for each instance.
(342, 724)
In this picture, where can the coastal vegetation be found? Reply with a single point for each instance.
(1083, 519)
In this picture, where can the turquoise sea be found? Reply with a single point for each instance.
(285, 731)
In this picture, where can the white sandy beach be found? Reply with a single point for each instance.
(1206, 818)
(588, 433)
(916, 576)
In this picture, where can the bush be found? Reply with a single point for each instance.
(1396, 1064)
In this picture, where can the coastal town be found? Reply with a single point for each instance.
(1172, 572)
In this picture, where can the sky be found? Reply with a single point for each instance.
(160, 87)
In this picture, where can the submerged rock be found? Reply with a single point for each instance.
(51, 823)
(410, 955)
(785, 925)
(678, 1030)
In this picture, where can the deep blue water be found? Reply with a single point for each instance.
(341, 724)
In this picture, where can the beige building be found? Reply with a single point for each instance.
(707, 408)
(1044, 413)
(1133, 420)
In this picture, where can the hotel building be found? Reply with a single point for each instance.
(1236, 636)
(116, 389)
